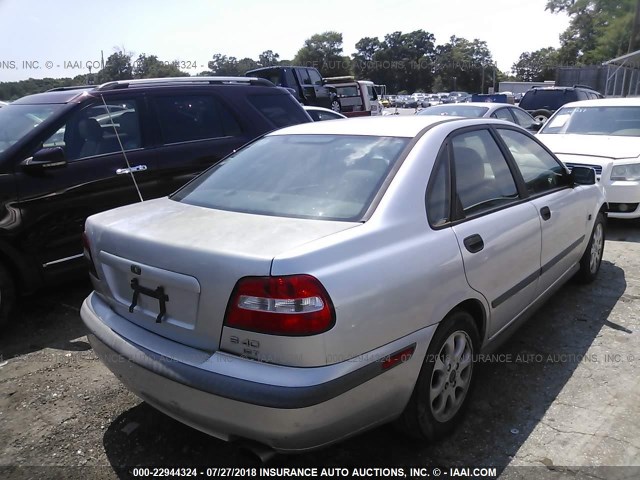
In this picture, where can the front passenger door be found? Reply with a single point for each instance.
(498, 235)
(563, 210)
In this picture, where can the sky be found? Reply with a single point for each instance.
(62, 38)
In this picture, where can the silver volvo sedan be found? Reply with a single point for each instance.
(333, 276)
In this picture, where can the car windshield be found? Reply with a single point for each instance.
(455, 110)
(18, 120)
(537, 99)
(333, 177)
(614, 121)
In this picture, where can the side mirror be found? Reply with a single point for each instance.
(45, 159)
(535, 126)
(583, 176)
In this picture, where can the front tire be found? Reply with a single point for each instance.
(592, 257)
(443, 388)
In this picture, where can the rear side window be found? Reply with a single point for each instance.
(541, 172)
(332, 177)
(537, 99)
(438, 193)
(281, 110)
(483, 178)
(185, 118)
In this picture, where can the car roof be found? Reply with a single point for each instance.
(607, 102)
(59, 97)
(407, 126)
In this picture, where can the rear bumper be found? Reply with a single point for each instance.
(290, 409)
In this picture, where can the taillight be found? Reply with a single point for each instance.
(87, 255)
(294, 305)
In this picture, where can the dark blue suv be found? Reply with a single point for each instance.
(72, 152)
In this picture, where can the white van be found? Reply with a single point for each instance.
(358, 98)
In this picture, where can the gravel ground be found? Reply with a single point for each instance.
(561, 401)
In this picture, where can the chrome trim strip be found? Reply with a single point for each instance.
(61, 260)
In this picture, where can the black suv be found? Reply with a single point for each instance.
(69, 153)
(542, 102)
(304, 83)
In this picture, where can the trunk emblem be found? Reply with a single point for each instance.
(136, 270)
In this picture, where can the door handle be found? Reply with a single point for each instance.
(474, 243)
(545, 213)
(137, 168)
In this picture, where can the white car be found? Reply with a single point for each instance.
(603, 134)
(320, 113)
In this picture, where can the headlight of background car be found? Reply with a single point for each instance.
(626, 172)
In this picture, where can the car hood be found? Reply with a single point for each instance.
(592, 145)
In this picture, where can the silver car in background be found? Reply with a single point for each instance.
(334, 276)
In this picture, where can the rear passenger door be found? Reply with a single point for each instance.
(498, 234)
(193, 131)
(564, 210)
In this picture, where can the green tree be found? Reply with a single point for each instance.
(117, 67)
(221, 65)
(465, 65)
(268, 58)
(324, 52)
(598, 30)
(400, 61)
(150, 67)
(536, 66)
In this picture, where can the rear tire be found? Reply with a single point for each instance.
(7, 296)
(592, 257)
(335, 105)
(443, 388)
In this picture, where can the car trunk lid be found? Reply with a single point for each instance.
(171, 267)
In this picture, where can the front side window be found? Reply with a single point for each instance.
(483, 178)
(315, 77)
(333, 177)
(540, 171)
(185, 118)
(503, 114)
(17, 120)
(523, 118)
(99, 129)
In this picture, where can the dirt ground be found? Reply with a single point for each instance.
(559, 400)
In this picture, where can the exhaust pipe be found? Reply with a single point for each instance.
(263, 452)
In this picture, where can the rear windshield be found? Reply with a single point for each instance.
(614, 121)
(455, 110)
(333, 177)
(18, 120)
(281, 110)
(538, 99)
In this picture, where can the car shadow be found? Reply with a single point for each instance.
(30, 330)
(513, 391)
(623, 230)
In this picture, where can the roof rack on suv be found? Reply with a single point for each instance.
(182, 80)
(73, 87)
(583, 86)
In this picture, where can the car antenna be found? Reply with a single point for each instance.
(126, 159)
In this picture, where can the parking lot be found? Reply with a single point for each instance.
(560, 396)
